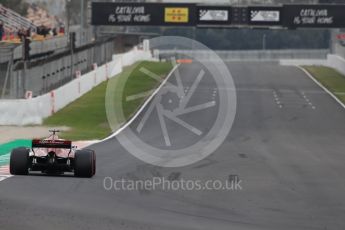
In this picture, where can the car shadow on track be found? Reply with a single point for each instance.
(51, 175)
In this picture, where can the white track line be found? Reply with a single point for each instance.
(277, 100)
(142, 107)
(4, 177)
(319, 84)
(307, 100)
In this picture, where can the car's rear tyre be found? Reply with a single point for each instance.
(19, 161)
(85, 163)
(94, 162)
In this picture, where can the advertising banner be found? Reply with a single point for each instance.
(327, 16)
(264, 15)
(141, 14)
(213, 15)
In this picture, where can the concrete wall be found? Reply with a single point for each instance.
(33, 111)
(301, 62)
(255, 55)
(334, 61)
(337, 47)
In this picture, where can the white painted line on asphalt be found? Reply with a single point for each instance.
(277, 99)
(4, 177)
(214, 94)
(142, 107)
(194, 86)
(308, 100)
(324, 88)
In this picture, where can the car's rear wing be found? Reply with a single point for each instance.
(61, 144)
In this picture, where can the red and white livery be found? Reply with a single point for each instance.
(53, 156)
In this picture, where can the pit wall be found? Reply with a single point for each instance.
(33, 111)
(333, 61)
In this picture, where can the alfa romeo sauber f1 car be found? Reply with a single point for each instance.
(53, 156)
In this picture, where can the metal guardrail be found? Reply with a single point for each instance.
(38, 47)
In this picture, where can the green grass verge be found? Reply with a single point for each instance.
(330, 78)
(87, 115)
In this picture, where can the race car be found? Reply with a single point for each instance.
(53, 156)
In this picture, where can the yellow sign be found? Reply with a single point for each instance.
(176, 14)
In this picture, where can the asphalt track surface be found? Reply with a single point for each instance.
(286, 145)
